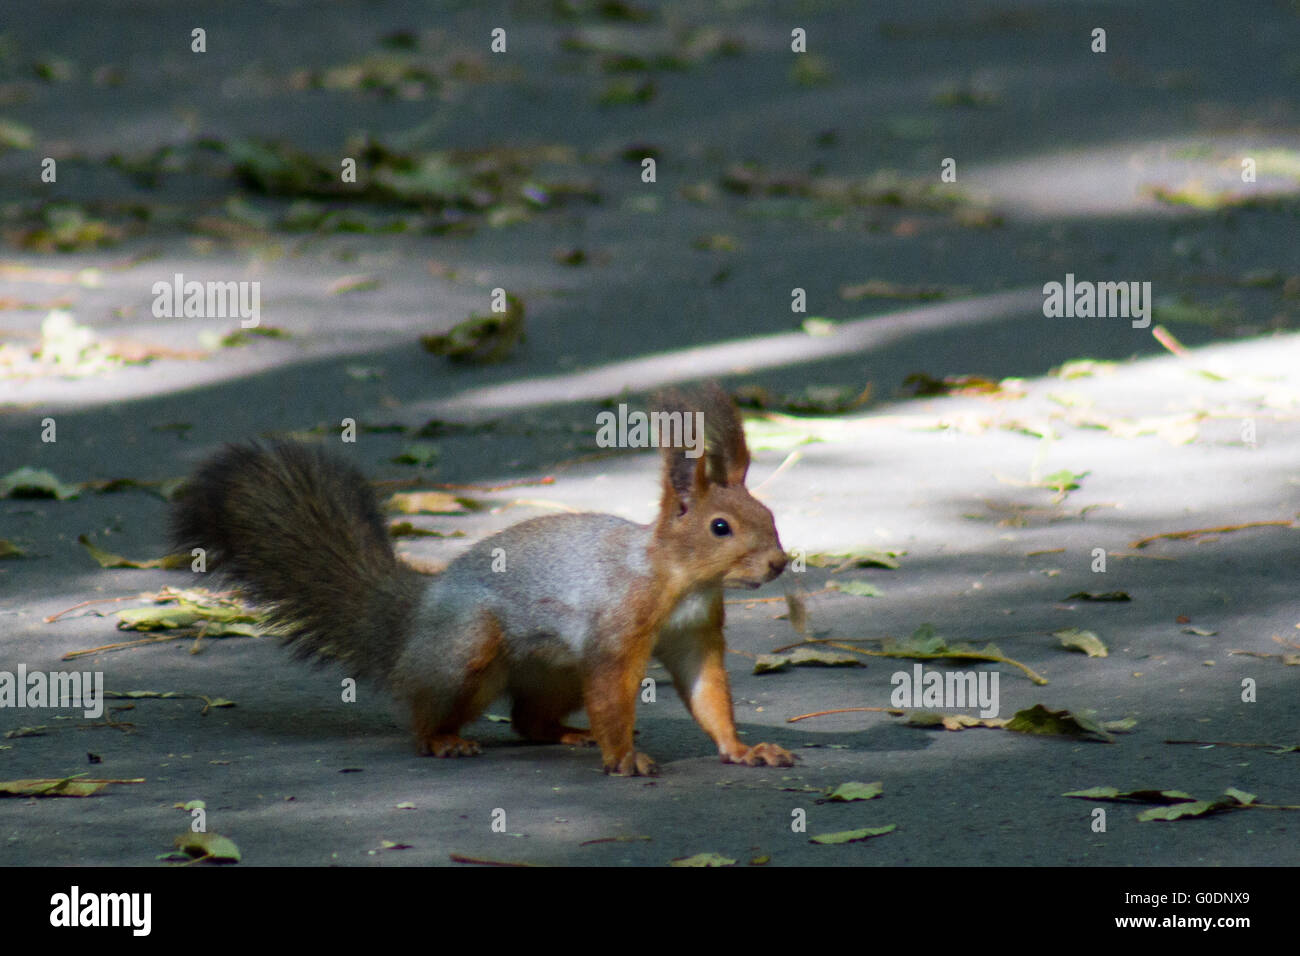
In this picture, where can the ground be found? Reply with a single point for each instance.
(1001, 498)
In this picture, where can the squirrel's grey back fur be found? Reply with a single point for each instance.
(300, 531)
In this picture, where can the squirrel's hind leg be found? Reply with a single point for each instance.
(438, 713)
(541, 698)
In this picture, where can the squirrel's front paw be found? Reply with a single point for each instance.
(760, 754)
(448, 745)
(632, 764)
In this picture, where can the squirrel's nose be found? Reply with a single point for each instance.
(776, 565)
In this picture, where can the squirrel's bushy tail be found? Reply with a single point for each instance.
(300, 531)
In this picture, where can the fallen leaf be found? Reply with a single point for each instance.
(1095, 596)
(854, 790)
(841, 561)
(1078, 640)
(804, 657)
(65, 787)
(921, 385)
(1197, 808)
(884, 289)
(107, 559)
(630, 838)
(481, 339)
(420, 453)
(35, 483)
(404, 529)
(853, 836)
(1039, 720)
(462, 858)
(208, 846)
(703, 859)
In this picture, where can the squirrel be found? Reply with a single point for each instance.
(573, 619)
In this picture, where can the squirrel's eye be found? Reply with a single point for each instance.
(720, 528)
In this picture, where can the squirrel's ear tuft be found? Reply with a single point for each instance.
(711, 428)
(724, 437)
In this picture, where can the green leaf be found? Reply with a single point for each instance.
(703, 859)
(63, 787)
(804, 657)
(107, 559)
(481, 339)
(853, 836)
(854, 790)
(209, 846)
(1085, 641)
(158, 618)
(842, 560)
(1039, 720)
(35, 483)
(417, 453)
(1063, 481)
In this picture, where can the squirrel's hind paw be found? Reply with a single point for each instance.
(760, 754)
(448, 745)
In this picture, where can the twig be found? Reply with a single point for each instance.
(1288, 748)
(1143, 542)
(462, 858)
(849, 710)
(123, 645)
(790, 461)
(54, 617)
(1166, 338)
(773, 600)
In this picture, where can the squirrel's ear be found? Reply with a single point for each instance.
(724, 437)
(685, 479)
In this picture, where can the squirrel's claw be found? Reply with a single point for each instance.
(449, 745)
(632, 764)
(760, 754)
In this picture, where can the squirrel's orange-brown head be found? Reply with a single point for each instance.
(710, 526)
